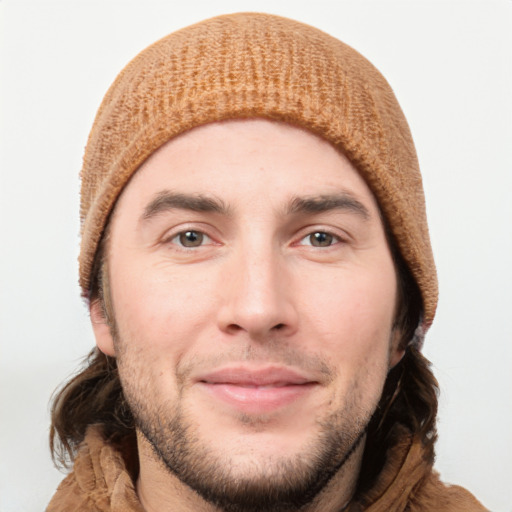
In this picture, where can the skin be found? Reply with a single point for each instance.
(272, 284)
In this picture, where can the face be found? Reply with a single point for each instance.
(253, 294)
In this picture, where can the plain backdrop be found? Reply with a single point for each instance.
(450, 64)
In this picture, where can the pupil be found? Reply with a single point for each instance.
(191, 238)
(321, 239)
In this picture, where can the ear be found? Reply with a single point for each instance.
(101, 329)
(396, 349)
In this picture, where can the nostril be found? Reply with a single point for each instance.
(278, 327)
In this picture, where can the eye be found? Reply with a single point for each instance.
(190, 239)
(320, 239)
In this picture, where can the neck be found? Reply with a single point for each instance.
(159, 490)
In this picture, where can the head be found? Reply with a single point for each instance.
(256, 257)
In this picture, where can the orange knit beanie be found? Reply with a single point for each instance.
(251, 65)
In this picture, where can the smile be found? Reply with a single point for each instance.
(257, 391)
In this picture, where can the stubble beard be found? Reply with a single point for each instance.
(283, 485)
(280, 485)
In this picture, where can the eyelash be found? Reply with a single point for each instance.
(177, 239)
(335, 239)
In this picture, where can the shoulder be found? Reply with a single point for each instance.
(99, 482)
(70, 497)
(432, 495)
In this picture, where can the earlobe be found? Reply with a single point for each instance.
(396, 349)
(101, 329)
(396, 356)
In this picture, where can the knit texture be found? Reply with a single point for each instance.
(250, 65)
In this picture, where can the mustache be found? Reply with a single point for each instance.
(278, 355)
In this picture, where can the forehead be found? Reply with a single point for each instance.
(241, 159)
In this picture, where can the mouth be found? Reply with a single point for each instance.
(257, 390)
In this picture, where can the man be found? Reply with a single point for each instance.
(256, 259)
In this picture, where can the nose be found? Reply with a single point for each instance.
(258, 297)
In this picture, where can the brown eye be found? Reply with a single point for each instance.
(190, 238)
(321, 239)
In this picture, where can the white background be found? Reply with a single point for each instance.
(450, 64)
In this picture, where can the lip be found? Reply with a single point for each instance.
(257, 390)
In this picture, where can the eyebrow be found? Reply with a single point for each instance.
(325, 203)
(167, 200)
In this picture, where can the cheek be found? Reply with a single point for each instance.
(162, 310)
(353, 322)
(355, 311)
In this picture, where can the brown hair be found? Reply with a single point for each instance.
(261, 66)
(409, 397)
